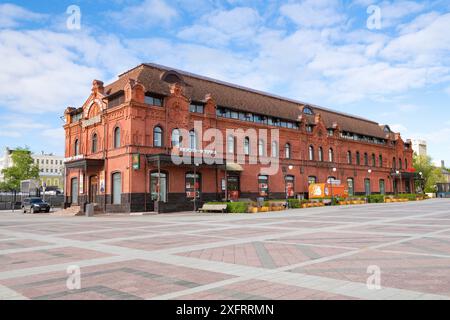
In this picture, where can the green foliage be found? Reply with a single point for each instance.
(295, 203)
(237, 207)
(23, 168)
(409, 196)
(430, 174)
(376, 198)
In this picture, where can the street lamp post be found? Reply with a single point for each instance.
(421, 182)
(368, 191)
(398, 174)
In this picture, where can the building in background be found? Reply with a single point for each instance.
(5, 161)
(419, 147)
(51, 170)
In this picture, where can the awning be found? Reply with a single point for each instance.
(85, 163)
(234, 167)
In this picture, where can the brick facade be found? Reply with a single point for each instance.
(137, 119)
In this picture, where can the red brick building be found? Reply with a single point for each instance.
(118, 145)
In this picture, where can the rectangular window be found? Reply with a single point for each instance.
(196, 108)
(153, 100)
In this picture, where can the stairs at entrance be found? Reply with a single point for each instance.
(70, 211)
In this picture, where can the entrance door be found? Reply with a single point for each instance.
(74, 190)
(350, 186)
(117, 188)
(367, 186)
(382, 187)
(158, 187)
(233, 187)
(93, 189)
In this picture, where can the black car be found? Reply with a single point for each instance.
(34, 205)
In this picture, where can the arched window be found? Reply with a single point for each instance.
(330, 155)
(366, 159)
(76, 147)
(287, 151)
(380, 160)
(157, 137)
(117, 137)
(261, 147)
(192, 140)
(230, 144)
(320, 154)
(311, 153)
(349, 157)
(94, 143)
(400, 166)
(247, 146)
(274, 149)
(307, 110)
(358, 158)
(374, 161)
(176, 138)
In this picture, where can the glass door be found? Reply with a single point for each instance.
(74, 190)
(158, 187)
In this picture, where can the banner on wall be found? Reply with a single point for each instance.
(102, 182)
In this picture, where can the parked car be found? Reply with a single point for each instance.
(34, 205)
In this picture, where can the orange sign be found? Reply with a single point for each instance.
(323, 190)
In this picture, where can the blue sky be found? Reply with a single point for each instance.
(319, 51)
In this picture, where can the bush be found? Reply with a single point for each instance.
(294, 203)
(409, 196)
(237, 207)
(376, 198)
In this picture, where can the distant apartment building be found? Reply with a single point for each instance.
(5, 161)
(419, 147)
(51, 169)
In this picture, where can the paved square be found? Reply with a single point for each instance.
(317, 253)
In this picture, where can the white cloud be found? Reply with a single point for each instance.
(218, 28)
(314, 13)
(392, 12)
(398, 127)
(148, 13)
(12, 15)
(47, 71)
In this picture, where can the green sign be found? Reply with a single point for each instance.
(136, 160)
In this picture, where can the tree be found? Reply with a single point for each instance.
(23, 168)
(430, 174)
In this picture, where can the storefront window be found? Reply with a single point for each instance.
(263, 186)
(351, 188)
(117, 188)
(290, 186)
(193, 185)
(158, 187)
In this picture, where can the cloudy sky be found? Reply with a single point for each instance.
(394, 70)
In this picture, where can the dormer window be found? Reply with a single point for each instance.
(387, 129)
(330, 132)
(308, 110)
(153, 100)
(309, 128)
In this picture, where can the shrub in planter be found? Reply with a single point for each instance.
(237, 207)
(294, 203)
(376, 198)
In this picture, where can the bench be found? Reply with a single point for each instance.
(213, 207)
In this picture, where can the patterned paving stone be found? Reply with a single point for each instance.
(135, 279)
(164, 242)
(264, 254)
(31, 259)
(350, 240)
(412, 272)
(262, 290)
(318, 253)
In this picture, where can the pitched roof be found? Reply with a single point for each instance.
(241, 98)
